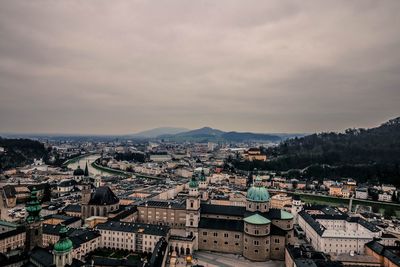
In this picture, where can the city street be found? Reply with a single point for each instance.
(211, 259)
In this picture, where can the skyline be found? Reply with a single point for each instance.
(97, 67)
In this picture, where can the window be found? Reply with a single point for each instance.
(256, 243)
(256, 251)
(215, 234)
(204, 233)
(205, 241)
(277, 240)
(276, 248)
(226, 243)
(215, 241)
(225, 235)
(256, 232)
(237, 236)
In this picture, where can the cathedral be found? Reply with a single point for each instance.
(256, 231)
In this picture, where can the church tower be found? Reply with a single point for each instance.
(257, 228)
(193, 210)
(33, 222)
(62, 253)
(86, 172)
(202, 180)
(86, 193)
(203, 185)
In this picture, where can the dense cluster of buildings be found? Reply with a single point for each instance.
(177, 203)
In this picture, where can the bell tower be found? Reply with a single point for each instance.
(86, 193)
(62, 253)
(33, 222)
(193, 210)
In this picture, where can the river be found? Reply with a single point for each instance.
(89, 159)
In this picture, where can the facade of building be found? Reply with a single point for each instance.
(279, 201)
(100, 203)
(255, 154)
(362, 193)
(131, 236)
(335, 190)
(330, 231)
(256, 231)
(387, 256)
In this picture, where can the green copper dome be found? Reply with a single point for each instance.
(257, 219)
(33, 207)
(202, 177)
(64, 244)
(286, 215)
(193, 183)
(258, 193)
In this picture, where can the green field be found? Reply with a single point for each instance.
(334, 201)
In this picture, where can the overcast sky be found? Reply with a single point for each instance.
(116, 67)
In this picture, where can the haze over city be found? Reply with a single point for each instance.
(118, 67)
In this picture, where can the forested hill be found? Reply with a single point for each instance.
(364, 154)
(20, 152)
(356, 146)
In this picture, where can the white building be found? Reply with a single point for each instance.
(136, 237)
(388, 188)
(330, 231)
(385, 197)
(361, 193)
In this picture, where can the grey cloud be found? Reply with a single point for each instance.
(265, 66)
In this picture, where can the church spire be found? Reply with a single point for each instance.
(33, 208)
(86, 174)
(193, 182)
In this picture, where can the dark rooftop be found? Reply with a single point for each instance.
(222, 210)
(221, 224)
(150, 229)
(164, 204)
(103, 196)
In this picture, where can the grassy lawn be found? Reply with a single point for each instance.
(134, 257)
(345, 202)
(119, 254)
(102, 252)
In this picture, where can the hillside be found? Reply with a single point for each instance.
(364, 154)
(152, 133)
(20, 152)
(207, 134)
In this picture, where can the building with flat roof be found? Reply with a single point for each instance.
(334, 232)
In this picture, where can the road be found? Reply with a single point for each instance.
(211, 259)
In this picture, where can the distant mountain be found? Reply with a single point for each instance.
(207, 134)
(240, 137)
(153, 133)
